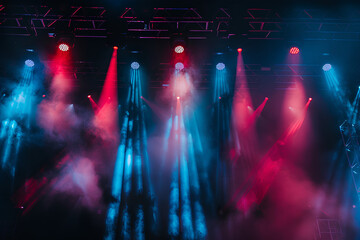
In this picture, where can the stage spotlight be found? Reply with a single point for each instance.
(220, 66)
(178, 98)
(179, 66)
(239, 50)
(266, 98)
(294, 50)
(116, 47)
(43, 95)
(326, 67)
(89, 96)
(135, 65)
(179, 49)
(29, 63)
(219, 97)
(310, 99)
(64, 47)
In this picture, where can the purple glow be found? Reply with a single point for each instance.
(29, 63)
(220, 66)
(179, 66)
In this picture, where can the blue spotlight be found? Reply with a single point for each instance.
(29, 63)
(179, 66)
(326, 67)
(220, 66)
(135, 65)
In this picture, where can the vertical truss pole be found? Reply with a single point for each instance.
(352, 150)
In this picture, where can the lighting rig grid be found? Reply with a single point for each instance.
(327, 228)
(352, 149)
(90, 21)
(310, 24)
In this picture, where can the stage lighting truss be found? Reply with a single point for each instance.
(352, 150)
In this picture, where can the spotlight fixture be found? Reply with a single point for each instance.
(43, 95)
(116, 47)
(135, 65)
(294, 50)
(310, 99)
(179, 49)
(266, 98)
(89, 96)
(177, 98)
(326, 67)
(220, 66)
(239, 50)
(179, 66)
(64, 47)
(29, 63)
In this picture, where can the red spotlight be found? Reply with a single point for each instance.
(116, 47)
(310, 99)
(64, 47)
(219, 97)
(239, 50)
(179, 49)
(89, 96)
(43, 95)
(266, 98)
(294, 50)
(178, 98)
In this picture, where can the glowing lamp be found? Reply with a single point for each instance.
(89, 96)
(178, 98)
(310, 99)
(179, 49)
(64, 47)
(220, 66)
(239, 50)
(179, 66)
(326, 67)
(266, 98)
(116, 47)
(43, 95)
(29, 63)
(294, 50)
(135, 65)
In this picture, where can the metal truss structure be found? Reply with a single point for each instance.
(304, 24)
(352, 149)
(161, 23)
(328, 229)
(91, 21)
